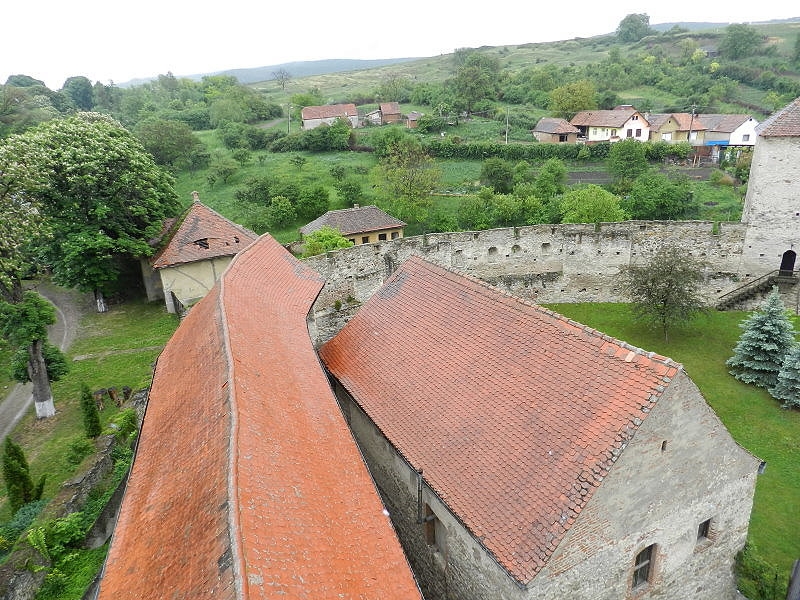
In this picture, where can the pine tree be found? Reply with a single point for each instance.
(16, 474)
(787, 387)
(767, 338)
(91, 418)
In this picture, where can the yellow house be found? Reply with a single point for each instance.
(199, 247)
(360, 224)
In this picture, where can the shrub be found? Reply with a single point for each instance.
(79, 448)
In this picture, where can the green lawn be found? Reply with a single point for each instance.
(752, 416)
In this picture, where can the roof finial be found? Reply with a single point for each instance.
(196, 196)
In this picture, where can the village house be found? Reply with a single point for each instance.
(195, 250)
(619, 123)
(314, 116)
(385, 114)
(523, 456)
(676, 127)
(247, 482)
(360, 224)
(555, 131)
(725, 132)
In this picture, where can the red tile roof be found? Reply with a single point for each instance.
(604, 118)
(390, 108)
(784, 123)
(202, 234)
(247, 482)
(329, 111)
(359, 219)
(514, 413)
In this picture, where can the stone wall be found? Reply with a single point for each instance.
(666, 482)
(541, 263)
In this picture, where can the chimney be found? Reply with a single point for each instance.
(356, 206)
(195, 196)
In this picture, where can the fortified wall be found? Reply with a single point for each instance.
(541, 263)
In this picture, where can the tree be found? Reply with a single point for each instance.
(497, 173)
(282, 76)
(551, 180)
(568, 100)
(767, 337)
(172, 143)
(591, 204)
(408, 176)
(787, 386)
(626, 161)
(17, 477)
(280, 212)
(665, 291)
(322, 240)
(739, 41)
(476, 79)
(80, 91)
(104, 196)
(634, 27)
(655, 196)
(24, 325)
(91, 417)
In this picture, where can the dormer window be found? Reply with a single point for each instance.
(202, 243)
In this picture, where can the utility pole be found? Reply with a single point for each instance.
(288, 117)
(506, 125)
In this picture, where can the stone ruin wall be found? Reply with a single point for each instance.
(541, 263)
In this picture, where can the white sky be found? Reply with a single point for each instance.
(52, 40)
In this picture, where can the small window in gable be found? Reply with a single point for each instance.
(643, 566)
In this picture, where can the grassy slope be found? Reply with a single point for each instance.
(752, 416)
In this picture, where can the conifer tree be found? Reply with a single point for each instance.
(766, 340)
(91, 418)
(787, 387)
(17, 476)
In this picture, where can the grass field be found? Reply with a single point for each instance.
(753, 417)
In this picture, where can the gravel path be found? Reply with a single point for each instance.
(70, 308)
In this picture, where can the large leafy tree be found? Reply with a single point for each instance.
(569, 99)
(172, 143)
(591, 204)
(24, 324)
(767, 337)
(665, 290)
(634, 27)
(626, 161)
(655, 196)
(739, 41)
(104, 196)
(324, 239)
(477, 78)
(80, 91)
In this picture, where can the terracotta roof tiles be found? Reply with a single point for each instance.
(603, 118)
(784, 123)
(201, 233)
(329, 111)
(555, 125)
(247, 482)
(514, 413)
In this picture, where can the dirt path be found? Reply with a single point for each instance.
(70, 308)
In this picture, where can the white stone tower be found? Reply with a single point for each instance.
(772, 204)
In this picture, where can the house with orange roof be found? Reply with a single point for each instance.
(525, 456)
(196, 249)
(619, 123)
(359, 224)
(724, 131)
(246, 481)
(676, 127)
(314, 116)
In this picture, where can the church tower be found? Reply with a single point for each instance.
(772, 204)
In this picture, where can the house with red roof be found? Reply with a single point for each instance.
(359, 224)
(676, 127)
(619, 123)
(525, 456)
(725, 131)
(314, 116)
(246, 481)
(195, 251)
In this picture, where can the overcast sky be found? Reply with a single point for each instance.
(118, 41)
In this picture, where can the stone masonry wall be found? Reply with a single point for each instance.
(541, 263)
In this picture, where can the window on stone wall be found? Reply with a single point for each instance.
(381, 237)
(395, 235)
(365, 239)
(643, 566)
(704, 531)
(430, 527)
